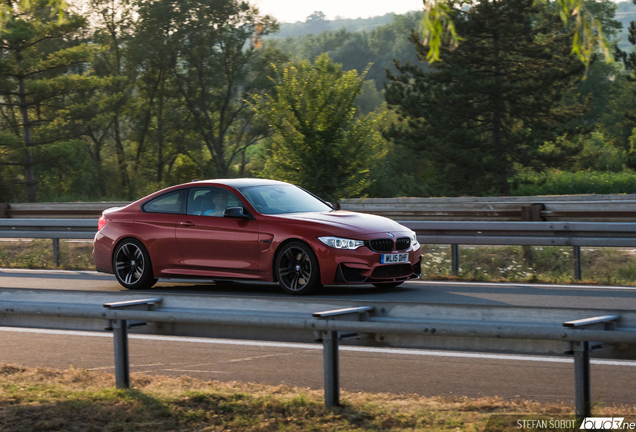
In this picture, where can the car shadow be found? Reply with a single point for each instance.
(273, 289)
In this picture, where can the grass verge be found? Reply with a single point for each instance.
(552, 264)
(38, 254)
(79, 400)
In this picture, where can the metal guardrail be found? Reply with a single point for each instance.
(583, 208)
(590, 208)
(575, 234)
(599, 234)
(369, 321)
(89, 210)
(55, 229)
(48, 228)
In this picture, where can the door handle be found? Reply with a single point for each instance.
(187, 224)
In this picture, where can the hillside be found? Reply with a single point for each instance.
(625, 13)
(316, 26)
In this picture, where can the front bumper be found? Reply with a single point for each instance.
(351, 273)
(364, 265)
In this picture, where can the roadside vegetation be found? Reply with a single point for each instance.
(113, 112)
(553, 264)
(38, 254)
(81, 400)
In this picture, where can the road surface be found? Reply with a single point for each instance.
(424, 372)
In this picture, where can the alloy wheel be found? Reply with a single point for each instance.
(129, 263)
(294, 269)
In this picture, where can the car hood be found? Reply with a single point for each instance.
(359, 223)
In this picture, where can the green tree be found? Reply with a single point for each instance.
(42, 66)
(495, 103)
(316, 22)
(356, 49)
(319, 144)
(439, 26)
(214, 69)
(628, 117)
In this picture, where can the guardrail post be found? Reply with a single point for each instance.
(578, 274)
(56, 252)
(122, 366)
(331, 369)
(330, 339)
(582, 399)
(581, 351)
(120, 335)
(455, 258)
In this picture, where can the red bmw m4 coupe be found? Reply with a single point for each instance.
(251, 229)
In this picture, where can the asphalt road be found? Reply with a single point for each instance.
(568, 296)
(362, 369)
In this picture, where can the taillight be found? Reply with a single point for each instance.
(101, 224)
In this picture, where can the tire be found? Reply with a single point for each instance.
(297, 269)
(132, 265)
(388, 284)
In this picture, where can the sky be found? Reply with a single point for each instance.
(299, 10)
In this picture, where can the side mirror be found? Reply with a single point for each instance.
(235, 212)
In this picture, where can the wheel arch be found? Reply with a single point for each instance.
(130, 237)
(285, 243)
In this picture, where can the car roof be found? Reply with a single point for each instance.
(238, 182)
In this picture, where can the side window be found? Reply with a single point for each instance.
(211, 201)
(171, 202)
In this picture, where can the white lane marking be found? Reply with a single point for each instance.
(253, 358)
(192, 370)
(74, 272)
(416, 352)
(521, 284)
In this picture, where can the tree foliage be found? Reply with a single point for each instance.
(204, 45)
(319, 144)
(439, 27)
(496, 102)
(43, 70)
(154, 93)
(357, 49)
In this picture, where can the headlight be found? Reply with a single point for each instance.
(341, 243)
(413, 239)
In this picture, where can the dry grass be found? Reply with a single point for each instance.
(79, 400)
(38, 254)
(551, 264)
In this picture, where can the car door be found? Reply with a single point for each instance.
(213, 244)
(155, 226)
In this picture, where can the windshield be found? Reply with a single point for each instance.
(278, 199)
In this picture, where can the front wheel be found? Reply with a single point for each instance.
(297, 269)
(131, 262)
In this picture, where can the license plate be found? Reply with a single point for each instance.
(394, 258)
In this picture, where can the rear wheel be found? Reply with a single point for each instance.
(297, 269)
(131, 262)
(388, 284)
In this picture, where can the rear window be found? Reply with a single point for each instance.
(171, 202)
